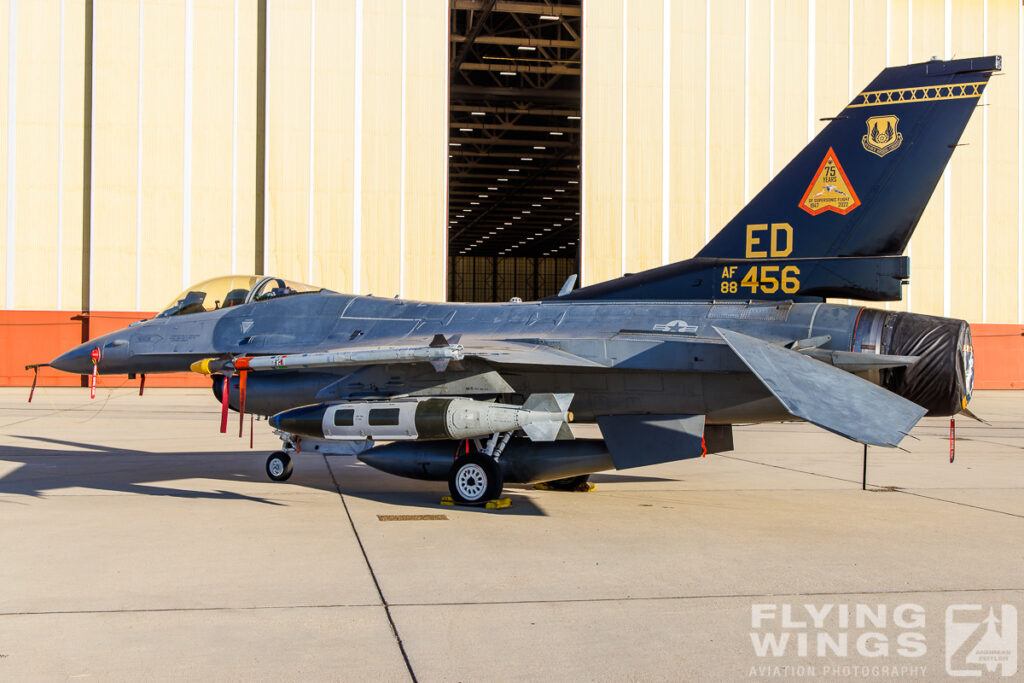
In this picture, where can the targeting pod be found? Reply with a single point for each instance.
(544, 417)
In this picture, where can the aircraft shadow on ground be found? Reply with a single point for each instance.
(361, 481)
(105, 468)
(608, 478)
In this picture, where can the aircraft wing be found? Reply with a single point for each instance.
(526, 352)
(826, 396)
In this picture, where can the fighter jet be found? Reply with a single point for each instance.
(664, 361)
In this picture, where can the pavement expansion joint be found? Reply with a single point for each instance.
(373, 574)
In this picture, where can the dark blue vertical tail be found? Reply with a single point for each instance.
(835, 220)
(860, 186)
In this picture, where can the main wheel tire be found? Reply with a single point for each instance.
(580, 483)
(279, 466)
(475, 478)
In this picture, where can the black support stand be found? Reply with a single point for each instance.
(864, 471)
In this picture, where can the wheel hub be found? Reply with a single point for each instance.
(471, 481)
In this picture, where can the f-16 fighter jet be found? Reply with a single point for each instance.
(664, 361)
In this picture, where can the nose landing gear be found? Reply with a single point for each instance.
(279, 466)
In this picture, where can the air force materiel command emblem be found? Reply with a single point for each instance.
(882, 136)
(830, 190)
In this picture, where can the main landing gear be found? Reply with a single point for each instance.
(476, 477)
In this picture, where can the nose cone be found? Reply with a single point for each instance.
(304, 421)
(77, 361)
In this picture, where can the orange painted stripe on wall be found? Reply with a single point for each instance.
(998, 356)
(40, 336)
(28, 337)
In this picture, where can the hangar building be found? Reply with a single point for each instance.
(353, 144)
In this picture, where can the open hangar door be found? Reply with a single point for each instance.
(514, 148)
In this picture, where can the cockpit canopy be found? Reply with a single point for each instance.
(232, 290)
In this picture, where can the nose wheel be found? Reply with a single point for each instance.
(279, 466)
(475, 478)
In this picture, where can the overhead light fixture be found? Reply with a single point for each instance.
(492, 233)
(492, 188)
(517, 218)
(501, 227)
(482, 196)
(547, 229)
(539, 147)
(548, 17)
(555, 132)
(525, 158)
(526, 211)
(545, 197)
(455, 144)
(574, 182)
(477, 113)
(513, 170)
(573, 118)
(459, 216)
(507, 73)
(465, 130)
(535, 205)
(487, 237)
(502, 180)
(527, 48)
(556, 225)
(559, 190)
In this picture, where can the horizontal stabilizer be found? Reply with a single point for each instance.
(859, 361)
(638, 440)
(826, 396)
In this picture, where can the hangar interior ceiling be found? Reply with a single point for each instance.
(514, 148)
